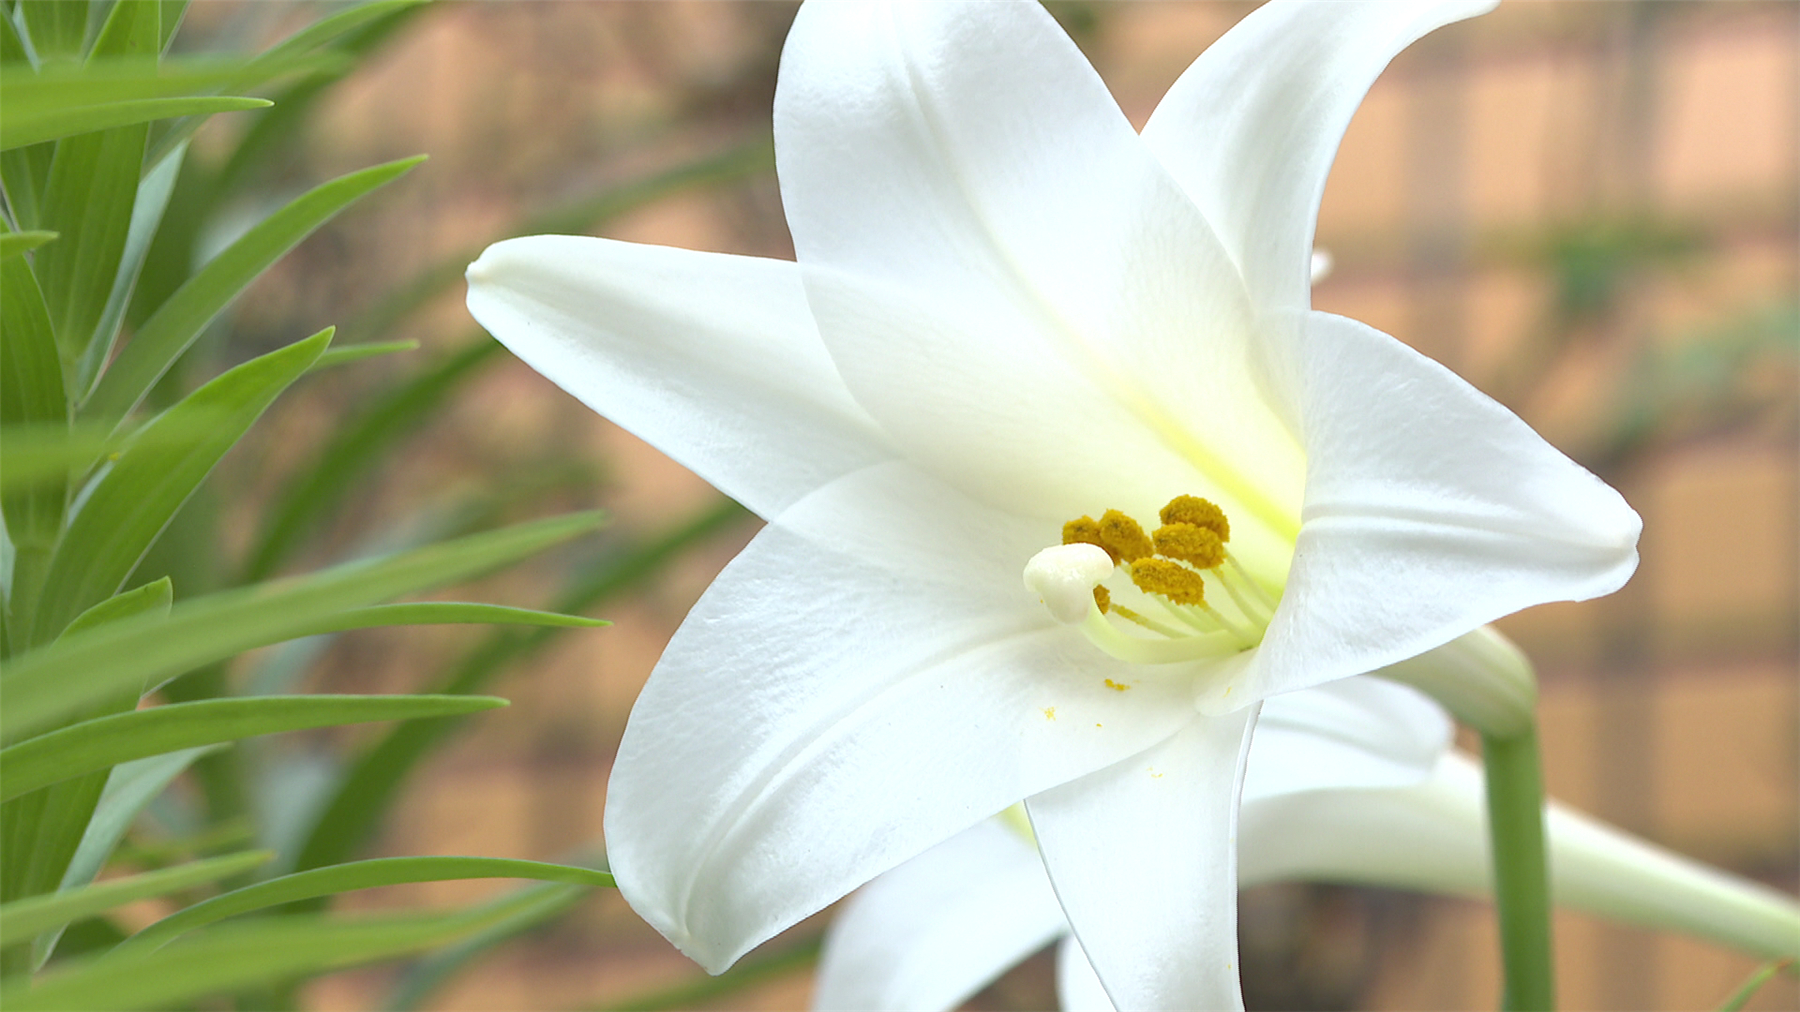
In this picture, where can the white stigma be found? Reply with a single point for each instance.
(1065, 576)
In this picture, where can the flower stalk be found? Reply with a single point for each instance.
(1515, 799)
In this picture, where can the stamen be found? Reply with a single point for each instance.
(1199, 547)
(1169, 579)
(1065, 577)
(1190, 509)
(1135, 650)
(1102, 599)
(1086, 531)
(1124, 537)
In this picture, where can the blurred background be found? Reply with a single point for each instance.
(1588, 210)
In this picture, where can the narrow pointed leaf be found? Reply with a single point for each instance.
(14, 244)
(24, 918)
(23, 129)
(357, 352)
(43, 831)
(447, 613)
(38, 687)
(215, 962)
(179, 321)
(31, 396)
(425, 976)
(341, 878)
(57, 27)
(356, 445)
(134, 500)
(56, 90)
(366, 790)
(146, 217)
(92, 188)
(129, 788)
(108, 741)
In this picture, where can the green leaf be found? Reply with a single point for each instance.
(341, 878)
(38, 687)
(13, 244)
(357, 352)
(89, 196)
(53, 91)
(214, 962)
(43, 831)
(39, 453)
(21, 129)
(446, 613)
(134, 500)
(107, 741)
(31, 394)
(22, 919)
(1747, 990)
(365, 792)
(146, 217)
(57, 27)
(328, 29)
(179, 321)
(427, 975)
(354, 447)
(129, 788)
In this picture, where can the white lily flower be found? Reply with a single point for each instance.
(1351, 809)
(1010, 310)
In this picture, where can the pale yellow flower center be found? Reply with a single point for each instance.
(1184, 596)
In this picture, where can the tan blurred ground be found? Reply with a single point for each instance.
(1672, 709)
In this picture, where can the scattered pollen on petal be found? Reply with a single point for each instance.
(1049, 713)
(1169, 579)
(1124, 537)
(1200, 547)
(1115, 686)
(1191, 509)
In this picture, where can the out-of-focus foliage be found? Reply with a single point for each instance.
(126, 611)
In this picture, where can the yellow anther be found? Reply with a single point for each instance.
(1189, 509)
(1103, 598)
(1123, 537)
(1169, 579)
(1086, 531)
(1198, 546)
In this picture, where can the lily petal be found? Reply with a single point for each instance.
(1431, 837)
(887, 689)
(1430, 510)
(734, 385)
(1007, 279)
(1355, 732)
(1078, 987)
(1143, 855)
(932, 932)
(1251, 128)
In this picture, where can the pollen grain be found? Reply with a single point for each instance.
(1197, 546)
(1168, 579)
(1191, 509)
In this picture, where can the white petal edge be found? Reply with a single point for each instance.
(931, 933)
(1143, 856)
(1251, 128)
(1430, 510)
(711, 358)
(1432, 837)
(1355, 732)
(1006, 278)
(867, 679)
(1078, 987)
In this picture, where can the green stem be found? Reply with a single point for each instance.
(1515, 797)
